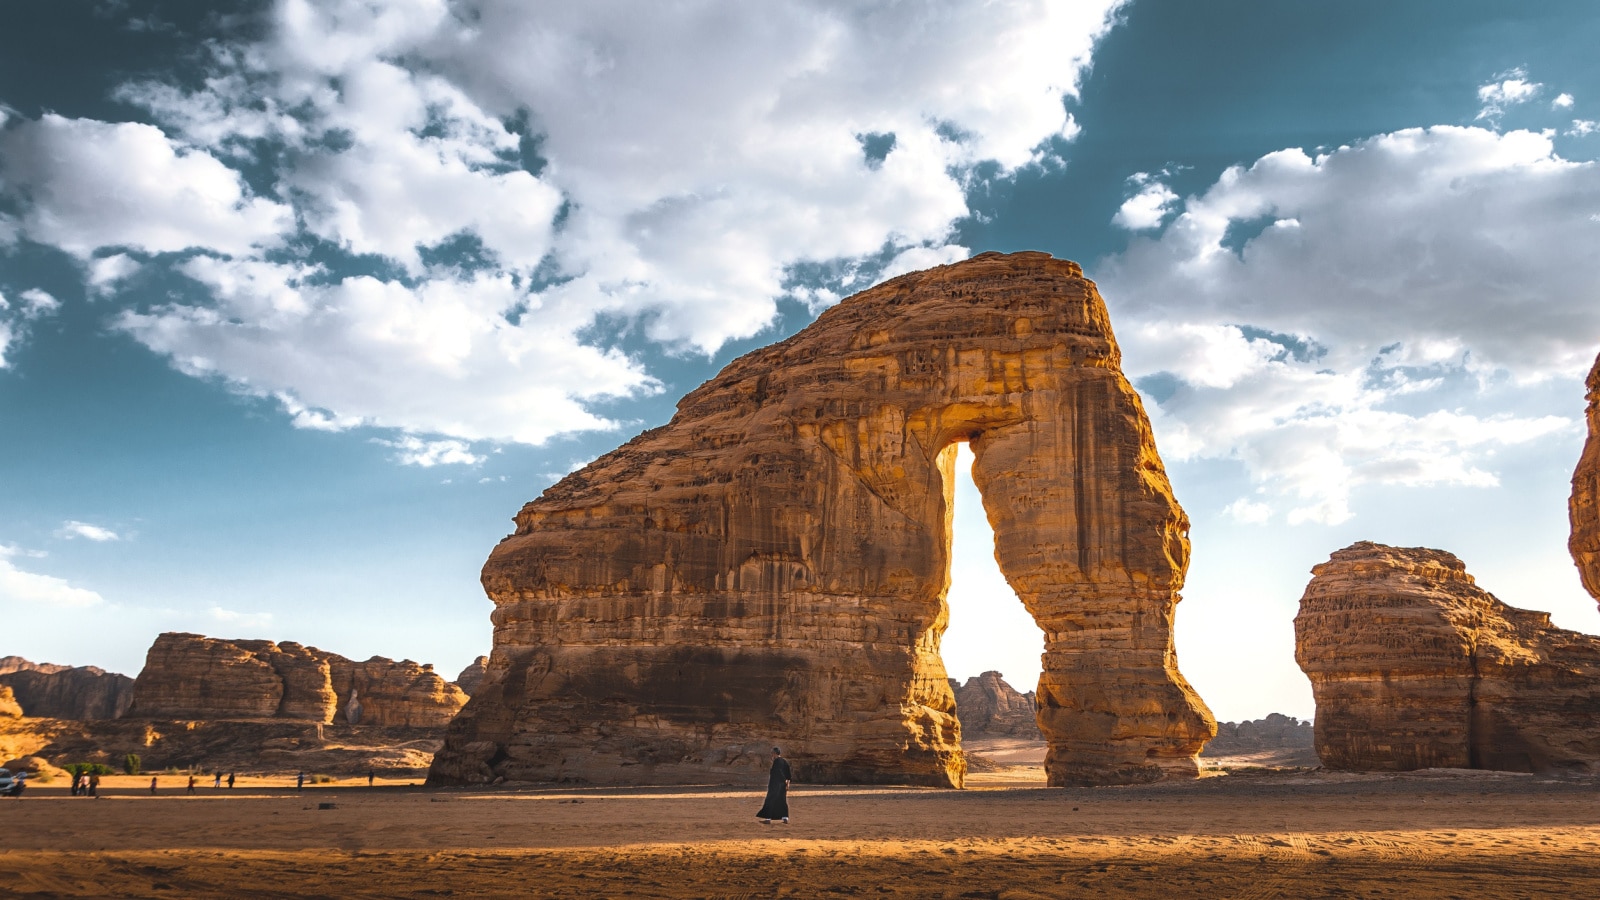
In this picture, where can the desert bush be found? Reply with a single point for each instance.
(321, 779)
(76, 769)
(130, 764)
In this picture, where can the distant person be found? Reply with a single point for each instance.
(778, 778)
(94, 785)
(230, 781)
(191, 783)
(152, 785)
(300, 781)
(83, 784)
(217, 782)
(77, 784)
(370, 776)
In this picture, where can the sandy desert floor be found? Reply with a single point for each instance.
(1314, 834)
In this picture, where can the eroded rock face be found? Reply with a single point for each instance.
(1415, 666)
(472, 675)
(9, 708)
(1276, 732)
(989, 707)
(1585, 505)
(66, 692)
(769, 568)
(189, 676)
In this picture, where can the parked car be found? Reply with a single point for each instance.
(8, 784)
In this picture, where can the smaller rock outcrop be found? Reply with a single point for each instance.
(1276, 733)
(472, 675)
(989, 707)
(1414, 666)
(9, 708)
(1585, 505)
(190, 676)
(66, 692)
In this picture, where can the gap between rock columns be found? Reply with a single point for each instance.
(770, 567)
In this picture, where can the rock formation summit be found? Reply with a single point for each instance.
(769, 568)
(66, 692)
(1585, 505)
(1414, 666)
(989, 706)
(189, 676)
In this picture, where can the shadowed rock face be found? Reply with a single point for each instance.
(1414, 666)
(1585, 505)
(472, 675)
(769, 568)
(990, 707)
(66, 692)
(192, 676)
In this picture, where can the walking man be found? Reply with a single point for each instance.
(778, 777)
(191, 783)
(299, 781)
(153, 785)
(230, 781)
(217, 782)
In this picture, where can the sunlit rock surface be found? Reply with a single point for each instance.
(769, 568)
(196, 677)
(1585, 506)
(66, 692)
(472, 675)
(1415, 666)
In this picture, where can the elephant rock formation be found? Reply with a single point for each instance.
(769, 568)
(1414, 666)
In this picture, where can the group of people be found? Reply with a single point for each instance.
(86, 784)
(216, 782)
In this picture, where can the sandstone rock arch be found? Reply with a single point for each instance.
(770, 566)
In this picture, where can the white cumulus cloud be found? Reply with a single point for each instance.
(30, 590)
(1512, 88)
(90, 184)
(1146, 209)
(1298, 315)
(414, 451)
(668, 168)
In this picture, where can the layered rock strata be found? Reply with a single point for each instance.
(1585, 504)
(1414, 666)
(66, 692)
(989, 707)
(769, 568)
(196, 677)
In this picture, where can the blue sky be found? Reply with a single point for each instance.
(302, 302)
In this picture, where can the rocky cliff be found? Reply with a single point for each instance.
(769, 568)
(189, 676)
(472, 675)
(66, 692)
(989, 707)
(1585, 505)
(1415, 666)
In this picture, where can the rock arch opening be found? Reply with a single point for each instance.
(769, 567)
(992, 647)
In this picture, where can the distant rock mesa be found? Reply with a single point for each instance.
(989, 707)
(190, 676)
(1585, 505)
(66, 692)
(769, 568)
(1414, 666)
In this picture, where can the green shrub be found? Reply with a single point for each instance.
(76, 769)
(130, 764)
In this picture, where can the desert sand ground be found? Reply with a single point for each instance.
(1301, 834)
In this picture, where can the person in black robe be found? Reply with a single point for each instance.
(778, 777)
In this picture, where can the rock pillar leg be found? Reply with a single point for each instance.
(1089, 536)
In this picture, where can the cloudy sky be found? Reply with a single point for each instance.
(302, 300)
